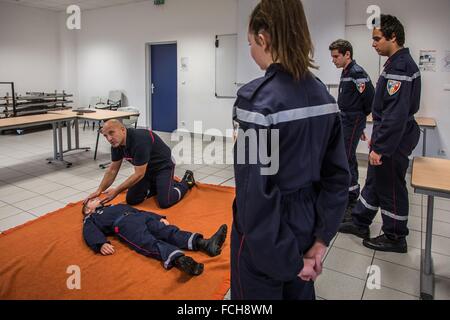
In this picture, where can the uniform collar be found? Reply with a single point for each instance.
(396, 55)
(350, 65)
(274, 67)
(101, 207)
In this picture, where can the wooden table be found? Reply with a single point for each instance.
(424, 124)
(56, 120)
(430, 177)
(99, 115)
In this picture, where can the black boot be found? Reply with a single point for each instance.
(213, 246)
(188, 265)
(189, 179)
(387, 244)
(351, 228)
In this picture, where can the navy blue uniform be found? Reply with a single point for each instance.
(395, 135)
(142, 231)
(278, 217)
(355, 99)
(145, 147)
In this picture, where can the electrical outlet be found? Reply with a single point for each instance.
(442, 152)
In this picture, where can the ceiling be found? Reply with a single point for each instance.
(61, 5)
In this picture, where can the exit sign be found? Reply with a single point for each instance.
(158, 2)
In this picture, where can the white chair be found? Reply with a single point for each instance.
(133, 120)
(97, 103)
(114, 101)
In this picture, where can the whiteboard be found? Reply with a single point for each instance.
(326, 21)
(226, 57)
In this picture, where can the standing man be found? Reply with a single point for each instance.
(395, 135)
(153, 166)
(355, 99)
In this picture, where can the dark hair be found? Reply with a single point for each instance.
(342, 46)
(392, 27)
(290, 40)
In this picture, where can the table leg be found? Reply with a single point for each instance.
(96, 144)
(424, 148)
(69, 135)
(60, 142)
(427, 273)
(55, 142)
(77, 134)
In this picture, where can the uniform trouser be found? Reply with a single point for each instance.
(168, 191)
(353, 128)
(249, 284)
(154, 239)
(385, 188)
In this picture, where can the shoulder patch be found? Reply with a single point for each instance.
(361, 87)
(393, 87)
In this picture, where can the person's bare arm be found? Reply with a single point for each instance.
(108, 179)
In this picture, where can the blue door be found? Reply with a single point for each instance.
(164, 87)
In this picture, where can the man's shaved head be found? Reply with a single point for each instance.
(113, 124)
(115, 132)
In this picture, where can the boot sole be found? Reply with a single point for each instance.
(362, 236)
(222, 236)
(400, 250)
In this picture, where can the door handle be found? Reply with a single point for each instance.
(153, 88)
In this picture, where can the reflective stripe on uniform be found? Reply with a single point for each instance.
(357, 81)
(286, 116)
(368, 206)
(400, 78)
(190, 242)
(169, 259)
(394, 216)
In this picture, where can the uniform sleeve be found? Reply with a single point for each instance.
(271, 242)
(93, 236)
(368, 96)
(141, 154)
(394, 117)
(334, 184)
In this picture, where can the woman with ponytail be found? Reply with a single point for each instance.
(287, 211)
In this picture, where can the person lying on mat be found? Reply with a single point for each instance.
(153, 167)
(148, 234)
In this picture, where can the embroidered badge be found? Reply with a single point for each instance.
(393, 87)
(361, 87)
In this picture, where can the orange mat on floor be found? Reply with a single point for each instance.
(34, 258)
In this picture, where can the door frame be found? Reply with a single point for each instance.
(148, 78)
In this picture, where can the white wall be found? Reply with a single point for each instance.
(111, 54)
(29, 49)
(427, 24)
(326, 21)
(68, 73)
